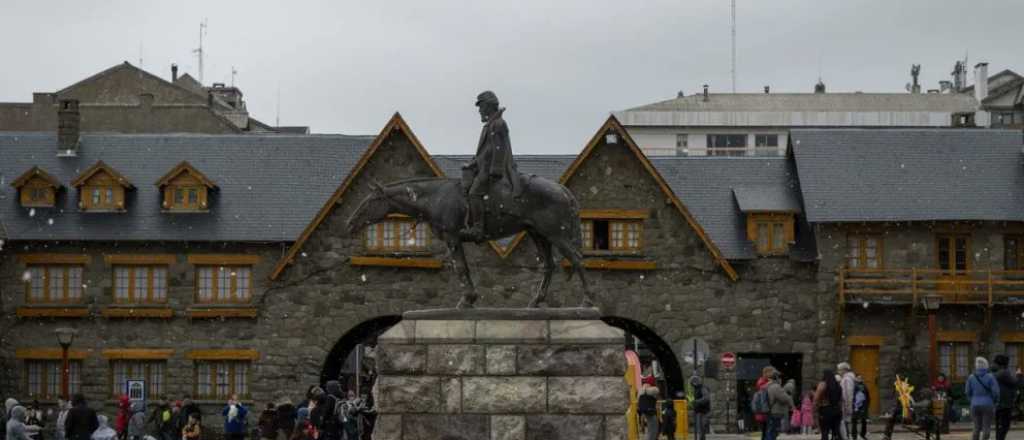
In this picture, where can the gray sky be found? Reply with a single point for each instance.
(558, 66)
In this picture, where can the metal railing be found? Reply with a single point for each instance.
(985, 287)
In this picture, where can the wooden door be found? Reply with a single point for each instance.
(953, 258)
(864, 360)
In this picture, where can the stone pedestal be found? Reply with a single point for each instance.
(549, 374)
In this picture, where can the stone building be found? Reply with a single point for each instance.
(724, 249)
(127, 99)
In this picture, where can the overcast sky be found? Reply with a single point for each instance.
(558, 66)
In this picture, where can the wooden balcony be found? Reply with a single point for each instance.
(909, 286)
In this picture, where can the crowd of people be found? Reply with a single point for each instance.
(327, 413)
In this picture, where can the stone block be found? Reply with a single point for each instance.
(408, 394)
(503, 395)
(508, 428)
(587, 395)
(388, 427)
(501, 359)
(445, 427)
(445, 332)
(401, 333)
(455, 359)
(451, 392)
(584, 332)
(401, 359)
(615, 427)
(511, 331)
(570, 360)
(563, 427)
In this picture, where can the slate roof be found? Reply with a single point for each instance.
(774, 198)
(548, 166)
(706, 186)
(850, 175)
(269, 186)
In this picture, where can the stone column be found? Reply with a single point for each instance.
(501, 375)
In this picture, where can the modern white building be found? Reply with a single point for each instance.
(756, 124)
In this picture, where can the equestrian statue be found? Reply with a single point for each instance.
(492, 200)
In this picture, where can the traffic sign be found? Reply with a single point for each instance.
(728, 360)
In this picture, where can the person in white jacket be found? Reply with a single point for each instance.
(847, 381)
(104, 432)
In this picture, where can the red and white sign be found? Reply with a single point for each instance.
(728, 360)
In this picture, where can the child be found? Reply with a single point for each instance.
(807, 413)
(192, 430)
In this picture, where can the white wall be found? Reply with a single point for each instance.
(661, 141)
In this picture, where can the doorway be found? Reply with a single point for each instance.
(864, 361)
(675, 385)
(748, 370)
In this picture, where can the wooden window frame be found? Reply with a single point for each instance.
(215, 284)
(148, 375)
(861, 240)
(48, 192)
(1013, 259)
(630, 227)
(150, 289)
(955, 347)
(393, 225)
(66, 297)
(786, 220)
(216, 366)
(951, 238)
(45, 366)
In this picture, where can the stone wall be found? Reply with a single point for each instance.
(501, 379)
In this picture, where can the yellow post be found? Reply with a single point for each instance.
(632, 422)
(682, 420)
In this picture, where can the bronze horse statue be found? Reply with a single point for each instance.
(546, 210)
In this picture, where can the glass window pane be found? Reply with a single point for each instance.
(193, 197)
(763, 236)
(243, 275)
(944, 253)
(223, 283)
(371, 237)
(110, 196)
(141, 282)
(778, 237)
(75, 284)
(53, 374)
(36, 278)
(121, 283)
(179, 196)
(159, 283)
(206, 284)
(56, 274)
(96, 196)
(203, 386)
(222, 380)
(961, 254)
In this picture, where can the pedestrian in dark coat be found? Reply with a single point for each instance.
(82, 420)
(701, 407)
(286, 414)
(1009, 383)
(234, 419)
(137, 422)
(268, 422)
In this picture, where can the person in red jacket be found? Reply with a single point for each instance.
(124, 413)
(763, 382)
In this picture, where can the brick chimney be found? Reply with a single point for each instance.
(68, 128)
(174, 72)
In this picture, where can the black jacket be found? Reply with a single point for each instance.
(1008, 385)
(286, 417)
(81, 423)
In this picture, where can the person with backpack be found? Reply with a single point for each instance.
(234, 419)
(1008, 385)
(983, 390)
(759, 403)
(647, 409)
(701, 407)
(828, 399)
(779, 404)
(327, 413)
(268, 422)
(861, 403)
(668, 419)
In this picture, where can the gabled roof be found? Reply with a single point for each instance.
(97, 167)
(269, 186)
(185, 167)
(774, 197)
(395, 123)
(35, 172)
(899, 175)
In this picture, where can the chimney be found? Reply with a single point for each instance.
(705, 92)
(981, 117)
(945, 86)
(68, 121)
(680, 94)
(174, 72)
(766, 90)
(819, 87)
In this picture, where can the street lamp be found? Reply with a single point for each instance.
(65, 336)
(931, 304)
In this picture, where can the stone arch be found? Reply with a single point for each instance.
(662, 350)
(362, 332)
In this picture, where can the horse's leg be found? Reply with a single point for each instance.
(575, 257)
(544, 252)
(458, 256)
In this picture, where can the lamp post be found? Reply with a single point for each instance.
(931, 304)
(65, 336)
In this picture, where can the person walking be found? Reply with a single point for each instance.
(268, 422)
(761, 416)
(647, 408)
(81, 421)
(701, 407)
(63, 407)
(983, 390)
(193, 429)
(103, 430)
(847, 382)
(828, 399)
(136, 429)
(234, 419)
(15, 426)
(286, 415)
(861, 404)
(807, 413)
(780, 403)
(1008, 385)
(124, 413)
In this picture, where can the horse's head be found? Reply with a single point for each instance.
(372, 209)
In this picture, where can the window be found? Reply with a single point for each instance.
(1013, 252)
(955, 360)
(864, 252)
(397, 235)
(952, 254)
(612, 235)
(56, 283)
(1004, 119)
(185, 189)
(36, 188)
(101, 189)
(102, 197)
(766, 140)
(771, 232)
(220, 379)
(140, 284)
(682, 143)
(187, 198)
(1015, 351)
(727, 144)
(43, 378)
(152, 372)
(223, 284)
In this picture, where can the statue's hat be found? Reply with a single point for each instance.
(487, 96)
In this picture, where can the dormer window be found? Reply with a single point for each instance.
(772, 233)
(101, 189)
(185, 189)
(37, 189)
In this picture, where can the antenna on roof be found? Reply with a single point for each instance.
(233, 73)
(734, 46)
(277, 120)
(199, 51)
(140, 54)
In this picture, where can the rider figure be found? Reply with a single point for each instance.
(492, 166)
